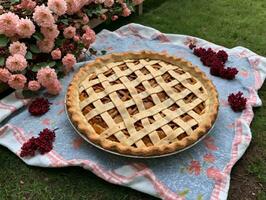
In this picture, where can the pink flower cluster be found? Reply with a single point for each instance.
(39, 31)
(108, 3)
(11, 25)
(69, 61)
(16, 62)
(126, 11)
(88, 37)
(47, 77)
(44, 18)
(27, 4)
(59, 7)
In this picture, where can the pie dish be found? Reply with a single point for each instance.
(142, 103)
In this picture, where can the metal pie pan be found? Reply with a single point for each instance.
(134, 156)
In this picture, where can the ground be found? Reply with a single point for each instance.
(225, 22)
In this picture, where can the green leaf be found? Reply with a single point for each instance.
(81, 45)
(184, 192)
(64, 21)
(59, 42)
(51, 63)
(2, 61)
(29, 55)
(38, 66)
(3, 41)
(58, 65)
(14, 1)
(29, 94)
(94, 10)
(34, 49)
(38, 36)
(132, 8)
(117, 10)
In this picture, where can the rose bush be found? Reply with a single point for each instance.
(41, 40)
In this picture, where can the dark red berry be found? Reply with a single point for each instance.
(29, 148)
(228, 73)
(192, 46)
(45, 140)
(39, 106)
(216, 62)
(44, 143)
(222, 55)
(237, 101)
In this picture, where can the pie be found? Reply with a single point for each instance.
(142, 103)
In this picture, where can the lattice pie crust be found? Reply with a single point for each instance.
(142, 103)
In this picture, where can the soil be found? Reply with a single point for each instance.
(245, 186)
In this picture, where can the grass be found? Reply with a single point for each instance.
(225, 22)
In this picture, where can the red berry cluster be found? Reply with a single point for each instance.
(216, 62)
(29, 148)
(39, 106)
(43, 143)
(237, 101)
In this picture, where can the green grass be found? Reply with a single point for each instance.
(225, 22)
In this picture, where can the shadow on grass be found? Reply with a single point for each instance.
(55, 183)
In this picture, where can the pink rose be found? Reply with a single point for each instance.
(18, 48)
(85, 27)
(124, 5)
(108, 3)
(43, 16)
(4, 75)
(27, 4)
(76, 38)
(54, 87)
(34, 85)
(25, 28)
(88, 37)
(69, 61)
(73, 6)
(59, 7)
(103, 17)
(17, 81)
(50, 32)
(8, 23)
(56, 54)
(85, 19)
(46, 75)
(126, 12)
(16, 62)
(46, 45)
(114, 17)
(69, 32)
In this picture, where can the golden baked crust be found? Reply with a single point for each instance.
(142, 103)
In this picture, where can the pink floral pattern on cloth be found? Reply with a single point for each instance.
(202, 172)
